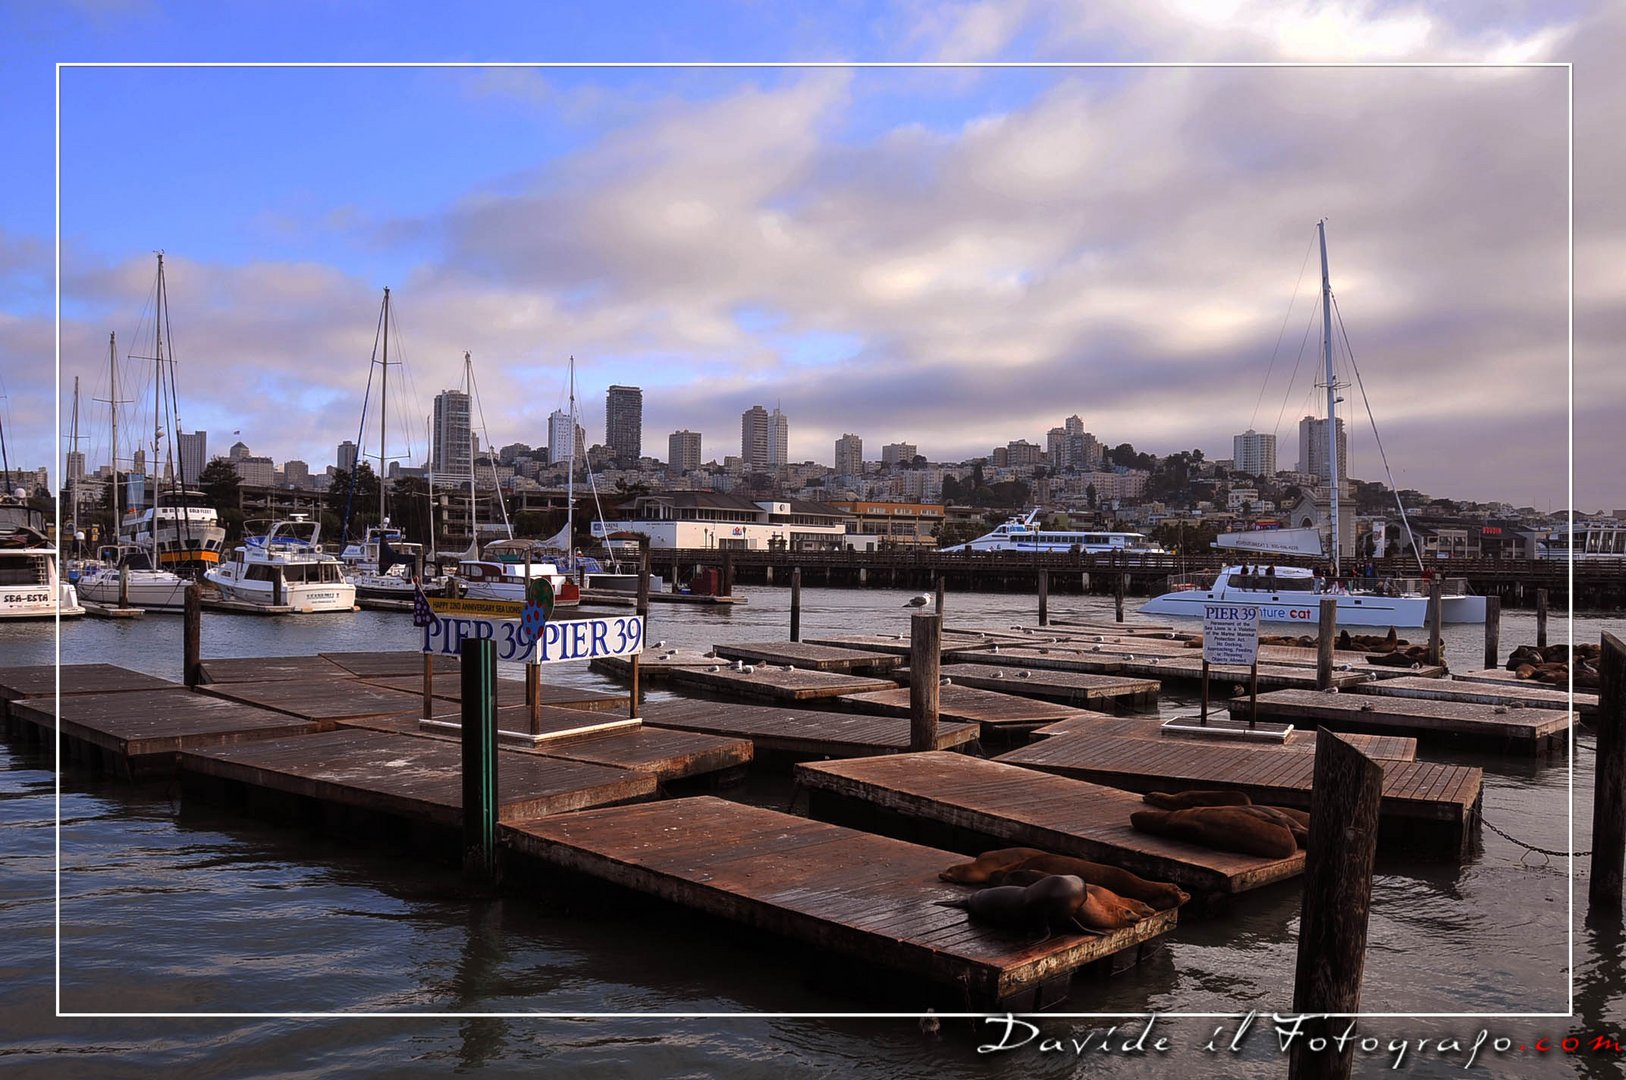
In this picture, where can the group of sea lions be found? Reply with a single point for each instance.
(1037, 890)
(1225, 821)
(1551, 665)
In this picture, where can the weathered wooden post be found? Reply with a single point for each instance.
(278, 587)
(428, 686)
(1327, 631)
(479, 719)
(1609, 797)
(642, 611)
(728, 572)
(533, 697)
(1118, 595)
(925, 663)
(1344, 800)
(796, 603)
(124, 586)
(1044, 597)
(1493, 631)
(938, 607)
(1541, 618)
(1435, 617)
(192, 635)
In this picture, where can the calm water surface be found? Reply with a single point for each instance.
(166, 909)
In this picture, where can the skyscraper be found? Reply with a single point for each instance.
(754, 437)
(452, 454)
(1313, 448)
(849, 456)
(1255, 454)
(683, 452)
(563, 440)
(778, 439)
(194, 450)
(624, 424)
(345, 460)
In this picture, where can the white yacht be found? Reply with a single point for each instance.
(507, 569)
(182, 531)
(1025, 534)
(384, 566)
(1293, 594)
(29, 585)
(287, 558)
(144, 586)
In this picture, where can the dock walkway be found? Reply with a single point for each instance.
(987, 804)
(997, 714)
(776, 684)
(1301, 740)
(1492, 727)
(805, 655)
(840, 891)
(799, 732)
(1062, 687)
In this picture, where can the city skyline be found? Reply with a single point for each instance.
(937, 255)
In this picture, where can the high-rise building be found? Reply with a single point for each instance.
(778, 439)
(452, 452)
(849, 456)
(255, 471)
(624, 424)
(754, 437)
(194, 451)
(239, 450)
(345, 460)
(683, 452)
(898, 453)
(1313, 448)
(1021, 452)
(563, 442)
(296, 474)
(1255, 454)
(75, 469)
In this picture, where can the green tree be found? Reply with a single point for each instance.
(1089, 495)
(219, 483)
(360, 503)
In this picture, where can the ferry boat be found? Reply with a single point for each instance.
(144, 585)
(1024, 534)
(181, 531)
(1293, 594)
(310, 579)
(29, 586)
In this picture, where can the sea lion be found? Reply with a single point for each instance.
(1223, 828)
(1049, 904)
(1159, 894)
(1102, 908)
(1165, 801)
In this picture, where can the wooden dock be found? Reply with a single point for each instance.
(799, 732)
(1062, 687)
(384, 665)
(973, 805)
(269, 669)
(842, 892)
(1518, 695)
(1586, 701)
(110, 611)
(1491, 727)
(1301, 740)
(1425, 804)
(139, 733)
(330, 698)
(997, 715)
(40, 680)
(509, 691)
(953, 645)
(398, 776)
(805, 655)
(654, 664)
(776, 684)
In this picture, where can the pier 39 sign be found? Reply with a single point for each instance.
(526, 636)
(1230, 633)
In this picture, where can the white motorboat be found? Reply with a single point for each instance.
(1024, 533)
(29, 585)
(125, 577)
(182, 529)
(285, 564)
(383, 566)
(506, 572)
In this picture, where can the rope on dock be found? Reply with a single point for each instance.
(1531, 847)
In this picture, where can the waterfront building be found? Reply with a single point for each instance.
(705, 519)
(682, 452)
(452, 443)
(624, 424)
(889, 524)
(849, 456)
(1313, 449)
(1255, 454)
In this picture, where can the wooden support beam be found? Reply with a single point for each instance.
(796, 603)
(925, 667)
(1609, 798)
(192, 632)
(1436, 615)
(479, 735)
(1541, 618)
(1327, 631)
(1493, 631)
(1044, 597)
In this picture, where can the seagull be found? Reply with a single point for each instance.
(945, 681)
(919, 601)
(749, 669)
(714, 667)
(997, 675)
(1024, 674)
(659, 645)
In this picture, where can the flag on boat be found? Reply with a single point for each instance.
(421, 613)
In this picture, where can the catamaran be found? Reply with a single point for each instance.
(1288, 594)
(1024, 533)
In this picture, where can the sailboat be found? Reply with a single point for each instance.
(1291, 594)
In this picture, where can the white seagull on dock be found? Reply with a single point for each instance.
(919, 601)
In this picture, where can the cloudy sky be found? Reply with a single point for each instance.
(954, 257)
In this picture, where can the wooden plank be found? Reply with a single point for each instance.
(1022, 808)
(829, 901)
(1519, 696)
(1535, 695)
(511, 719)
(653, 663)
(1064, 687)
(558, 695)
(1525, 729)
(898, 644)
(146, 728)
(964, 704)
(805, 654)
(418, 779)
(40, 680)
(667, 754)
(373, 665)
(799, 731)
(1300, 740)
(330, 698)
(269, 669)
(1266, 776)
(776, 684)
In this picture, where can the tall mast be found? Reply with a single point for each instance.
(570, 477)
(474, 530)
(157, 396)
(113, 407)
(1332, 392)
(383, 411)
(73, 477)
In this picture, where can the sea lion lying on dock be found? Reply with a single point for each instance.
(1102, 908)
(1294, 821)
(1159, 894)
(1406, 657)
(1223, 828)
(1051, 903)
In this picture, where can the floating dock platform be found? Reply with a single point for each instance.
(1000, 717)
(332, 698)
(866, 898)
(40, 680)
(1070, 688)
(776, 684)
(1586, 701)
(1300, 740)
(974, 805)
(799, 732)
(1491, 727)
(802, 655)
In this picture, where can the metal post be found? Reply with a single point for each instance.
(796, 603)
(1344, 799)
(642, 611)
(1493, 631)
(192, 635)
(1435, 617)
(428, 686)
(1541, 618)
(479, 716)
(1044, 597)
(1609, 797)
(1324, 643)
(925, 664)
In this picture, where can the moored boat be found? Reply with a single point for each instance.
(1024, 533)
(29, 585)
(285, 564)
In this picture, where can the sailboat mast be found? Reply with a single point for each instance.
(383, 408)
(73, 477)
(113, 407)
(157, 397)
(1332, 393)
(474, 530)
(570, 478)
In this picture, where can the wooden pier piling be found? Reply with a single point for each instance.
(642, 611)
(1044, 597)
(1541, 619)
(124, 586)
(938, 607)
(1344, 800)
(1493, 630)
(925, 667)
(1118, 596)
(796, 603)
(1609, 799)
(479, 734)
(1327, 631)
(1436, 615)
(192, 633)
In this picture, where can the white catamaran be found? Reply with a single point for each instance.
(1287, 594)
(1026, 534)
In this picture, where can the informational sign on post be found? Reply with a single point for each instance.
(449, 623)
(1231, 634)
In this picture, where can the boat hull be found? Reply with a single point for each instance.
(30, 603)
(309, 599)
(160, 592)
(1304, 609)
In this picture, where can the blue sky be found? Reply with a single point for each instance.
(948, 257)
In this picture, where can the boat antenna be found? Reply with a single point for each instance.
(1332, 395)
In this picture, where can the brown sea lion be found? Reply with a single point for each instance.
(1159, 894)
(1223, 828)
(1049, 904)
(1102, 909)
(1165, 801)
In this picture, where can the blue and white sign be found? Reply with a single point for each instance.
(571, 639)
(1231, 633)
